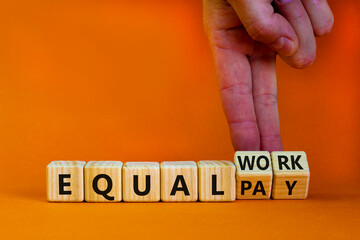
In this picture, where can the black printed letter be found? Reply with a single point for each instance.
(63, 184)
(246, 161)
(283, 162)
(295, 162)
(290, 187)
(243, 188)
(180, 178)
(214, 183)
(136, 185)
(267, 162)
(259, 187)
(108, 188)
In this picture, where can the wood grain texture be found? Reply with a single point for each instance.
(141, 170)
(71, 174)
(253, 175)
(291, 170)
(216, 181)
(173, 175)
(106, 176)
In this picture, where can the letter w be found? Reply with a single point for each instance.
(246, 161)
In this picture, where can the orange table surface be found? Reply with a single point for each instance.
(135, 81)
(330, 212)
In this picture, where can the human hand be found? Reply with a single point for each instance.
(245, 36)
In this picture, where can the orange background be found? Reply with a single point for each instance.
(135, 81)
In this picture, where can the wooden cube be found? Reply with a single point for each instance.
(291, 175)
(103, 182)
(141, 182)
(253, 175)
(216, 181)
(179, 181)
(65, 181)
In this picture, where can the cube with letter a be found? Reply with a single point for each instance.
(179, 181)
(291, 175)
(253, 175)
(65, 181)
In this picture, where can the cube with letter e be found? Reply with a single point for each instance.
(65, 181)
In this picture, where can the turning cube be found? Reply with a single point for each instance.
(141, 182)
(291, 175)
(253, 175)
(65, 181)
(216, 181)
(179, 181)
(103, 182)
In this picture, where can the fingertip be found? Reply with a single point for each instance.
(284, 46)
(251, 145)
(321, 16)
(245, 136)
(325, 28)
(297, 16)
(271, 143)
(303, 61)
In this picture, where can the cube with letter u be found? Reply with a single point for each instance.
(141, 182)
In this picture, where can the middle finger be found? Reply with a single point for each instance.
(295, 13)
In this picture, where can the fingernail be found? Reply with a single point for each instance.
(284, 46)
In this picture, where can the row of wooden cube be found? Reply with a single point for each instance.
(253, 175)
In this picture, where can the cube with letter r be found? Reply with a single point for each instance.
(291, 175)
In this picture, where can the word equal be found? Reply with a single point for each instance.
(253, 175)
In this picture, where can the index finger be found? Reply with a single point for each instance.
(237, 99)
(231, 44)
(265, 98)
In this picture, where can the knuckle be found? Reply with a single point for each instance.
(248, 124)
(298, 16)
(258, 29)
(272, 137)
(267, 99)
(237, 88)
